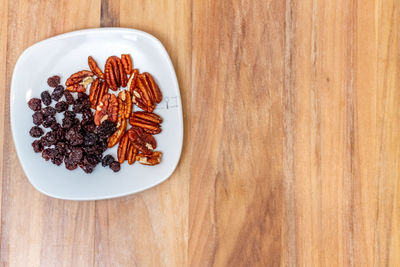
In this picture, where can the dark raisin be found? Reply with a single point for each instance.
(61, 148)
(74, 137)
(83, 96)
(55, 126)
(50, 138)
(89, 127)
(49, 121)
(67, 123)
(58, 159)
(36, 131)
(49, 153)
(49, 111)
(37, 146)
(88, 168)
(57, 93)
(61, 106)
(76, 154)
(90, 139)
(69, 98)
(77, 108)
(69, 114)
(37, 117)
(70, 164)
(106, 129)
(107, 160)
(87, 115)
(46, 98)
(115, 166)
(35, 104)
(53, 81)
(60, 134)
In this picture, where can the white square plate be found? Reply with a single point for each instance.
(66, 54)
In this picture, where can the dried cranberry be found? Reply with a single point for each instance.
(107, 160)
(57, 93)
(53, 81)
(69, 98)
(37, 118)
(36, 131)
(115, 166)
(61, 106)
(35, 104)
(46, 98)
(37, 146)
(49, 121)
(49, 111)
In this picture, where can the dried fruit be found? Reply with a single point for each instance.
(49, 121)
(57, 92)
(37, 118)
(94, 68)
(115, 166)
(61, 106)
(107, 109)
(35, 104)
(127, 63)
(46, 98)
(69, 98)
(149, 159)
(107, 160)
(49, 111)
(53, 81)
(37, 146)
(79, 81)
(149, 122)
(115, 75)
(105, 130)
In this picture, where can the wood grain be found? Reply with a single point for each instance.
(291, 148)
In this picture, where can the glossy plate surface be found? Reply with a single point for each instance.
(66, 54)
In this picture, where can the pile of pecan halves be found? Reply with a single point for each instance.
(137, 143)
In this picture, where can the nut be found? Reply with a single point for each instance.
(149, 159)
(79, 81)
(153, 87)
(93, 92)
(149, 122)
(115, 74)
(94, 68)
(143, 141)
(126, 99)
(107, 109)
(127, 63)
(122, 148)
(138, 100)
(131, 153)
(144, 90)
(117, 135)
(132, 80)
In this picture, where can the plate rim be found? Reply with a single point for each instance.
(83, 32)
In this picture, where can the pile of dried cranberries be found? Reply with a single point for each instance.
(82, 136)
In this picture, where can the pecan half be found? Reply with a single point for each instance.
(149, 122)
(131, 153)
(153, 87)
(144, 90)
(127, 63)
(138, 100)
(79, 81)
(123, 147)
(149, 159)
(126, 99)
(143, 141)
(107, 109)
(94, 68)
(93, 92)
(132, 80)
(117, 135)
(115, 74)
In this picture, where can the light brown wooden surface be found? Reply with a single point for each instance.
(291, 144)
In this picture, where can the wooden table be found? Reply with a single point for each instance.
(291, 152)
